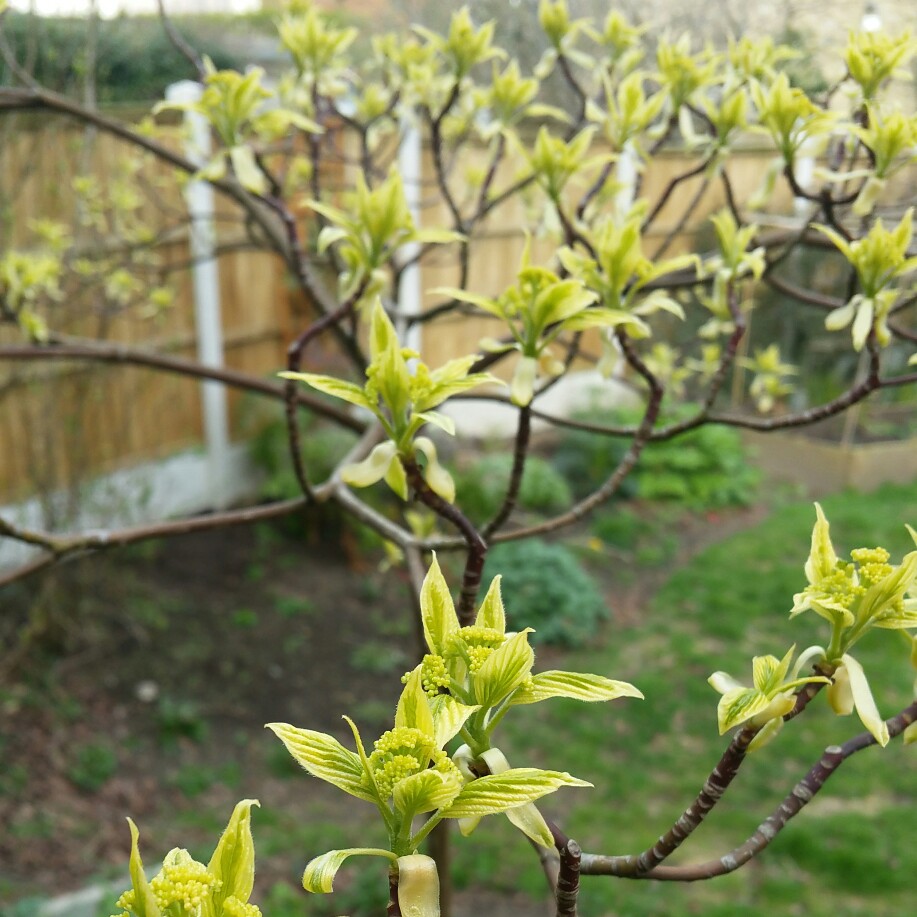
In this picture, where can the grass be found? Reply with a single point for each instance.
(849, 853)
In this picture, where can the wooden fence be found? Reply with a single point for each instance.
(60, 424)
(64, 421)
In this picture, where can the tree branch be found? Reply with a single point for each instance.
(567, 889)
(60, 547)
(520, 453)
(793, 803)
(477, 546)
(180, 44)
(61, 348)
(642, 436)
(35, 98)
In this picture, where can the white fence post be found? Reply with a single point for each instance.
(206, 282)
(410, 165)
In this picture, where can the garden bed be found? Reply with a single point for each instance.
(824, 467)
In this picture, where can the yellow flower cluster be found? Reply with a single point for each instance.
(840, 586)
(433, 675)
(404, 751)
(185, 883)
(475, 644)
(873, 564)
(233, 907)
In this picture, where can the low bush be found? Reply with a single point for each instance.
(705, 468)
(481, 487)
(322, 448)
(545, 587)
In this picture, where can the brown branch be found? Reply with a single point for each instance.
(678, 228)
(713, 790)
(567, 889)
(439, 167)
(903, 333)
(641, 436)
(486, 185)
(60, 547)
(9, 58)
(578, 90)
(394, 908)
(594, 189)
(731, 201)
(809, 297)
(669, 190)
(295, 353)
(180, 44)
(801, 794)
(477, 546)
(852, 396)
(35, 566)
(79, 349)
(895, 381)
(520, 453)
(732, 348)
(37, 98)
(549, 860)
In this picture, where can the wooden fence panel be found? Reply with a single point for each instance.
(63, 422)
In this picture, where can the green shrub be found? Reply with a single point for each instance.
(481, 487)
(322, 448)
(545, 587)
(704, 468)
(586, 460)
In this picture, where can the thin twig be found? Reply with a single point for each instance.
(180, 44)
(81, 349)
(60, 547)
(523, 434)
(9, 58)
(669, 189)
(38, 98)
(477, 546)
(713, 790)
(688, 212)
(641, 437)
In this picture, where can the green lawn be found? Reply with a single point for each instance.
(851, 852)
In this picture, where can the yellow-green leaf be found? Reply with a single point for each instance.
(515, 787)
(863, 700)
(320, 872)
(448, 717)
(738, 706)
(576, 685)
(376, 466)
(437, 609)
(504, 670)
(337, 388)
(426, 791)
(418, 886)
(324, 757)
(246, 168)
(144, 904)
(491, 613)
(413, 708)
(233, 860)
